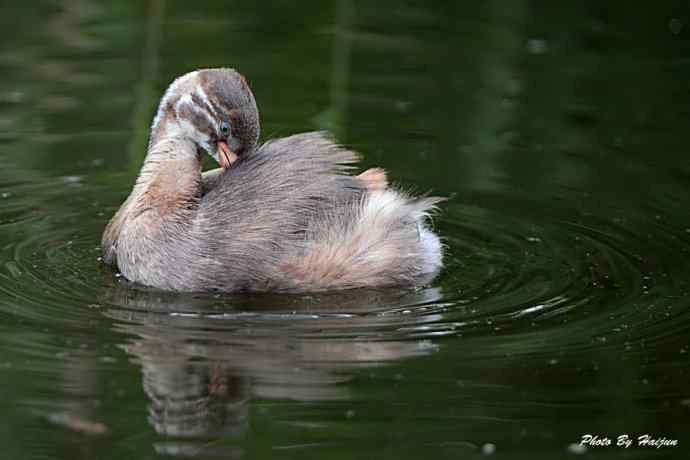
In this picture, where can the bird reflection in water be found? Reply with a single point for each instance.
(203, 359)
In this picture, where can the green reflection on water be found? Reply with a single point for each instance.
(560, 132)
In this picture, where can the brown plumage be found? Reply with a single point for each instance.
(284, 216)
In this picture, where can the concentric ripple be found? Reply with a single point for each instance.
(506, 274)
(545, 286)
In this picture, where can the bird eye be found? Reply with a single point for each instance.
(224, 128)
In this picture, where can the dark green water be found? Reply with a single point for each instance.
(560, 129)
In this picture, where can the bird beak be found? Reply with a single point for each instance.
(226, 157)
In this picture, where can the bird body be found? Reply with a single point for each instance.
(285, 216)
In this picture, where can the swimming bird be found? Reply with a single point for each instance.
(284, 216)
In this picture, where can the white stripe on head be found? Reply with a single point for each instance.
(187, 99)
(171, 92)
(204, 98)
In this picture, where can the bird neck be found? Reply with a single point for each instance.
(168, 146)
(167, 189)
(171, 174)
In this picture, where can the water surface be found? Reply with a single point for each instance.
(558, 132)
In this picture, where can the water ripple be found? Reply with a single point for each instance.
(542, 286)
